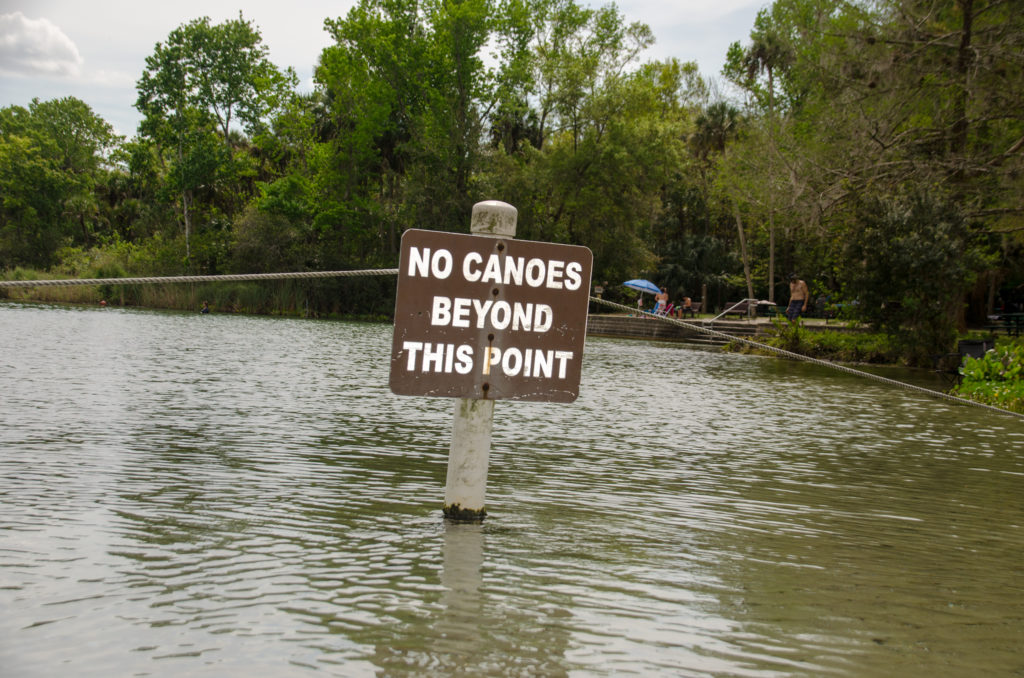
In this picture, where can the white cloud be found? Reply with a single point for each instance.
(112, 79)
(657, 12)
(34, 47)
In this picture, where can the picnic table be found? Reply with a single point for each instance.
(1011, 323)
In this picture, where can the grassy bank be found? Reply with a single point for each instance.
(997, 378)
(369, 298)
(842, 347)
(284, 297)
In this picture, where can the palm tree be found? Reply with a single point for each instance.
(718, 123)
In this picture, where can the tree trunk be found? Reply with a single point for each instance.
(771, 254)
(771, 194)
(964, 57)
(186, 203)
(990, 302)
(743, 251)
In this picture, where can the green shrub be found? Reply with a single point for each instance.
(996, 378)
(20, 273)
(110, 270)
(847, 347)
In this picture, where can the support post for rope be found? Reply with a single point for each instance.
(470, 451)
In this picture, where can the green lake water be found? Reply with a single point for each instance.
(187, 495)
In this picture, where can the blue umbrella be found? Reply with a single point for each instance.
(642, 286)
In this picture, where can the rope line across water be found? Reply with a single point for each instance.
(691, 326)
(197, 278)
(697, 327)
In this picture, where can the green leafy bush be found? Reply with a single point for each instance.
(847, 347)
(996, 378)
(906, 260)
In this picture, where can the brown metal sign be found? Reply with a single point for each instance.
(489, 318)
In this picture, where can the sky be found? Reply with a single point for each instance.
(95, 50)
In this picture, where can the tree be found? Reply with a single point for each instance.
(53, 161)
(715, 127)
(376, 77)
(199, 82)
(439, 190)
(913, 264)
(598, 141)
(562, 125)
(220, 73)
(767, 54)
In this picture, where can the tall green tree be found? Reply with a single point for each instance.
(376, 77)
(768, 54)
(563, 124)
(54, 159)
(588, 143)
(199, 83)
(440, 192)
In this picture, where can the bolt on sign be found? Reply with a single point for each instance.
(489, 318)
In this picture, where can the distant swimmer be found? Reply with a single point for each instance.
(205, 308)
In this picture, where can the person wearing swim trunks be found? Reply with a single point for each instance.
(798, 297)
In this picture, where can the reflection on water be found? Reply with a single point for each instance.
(214, 495)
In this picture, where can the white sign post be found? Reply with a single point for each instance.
(470, 452)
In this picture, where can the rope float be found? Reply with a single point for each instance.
(691, 326)
(197, 278)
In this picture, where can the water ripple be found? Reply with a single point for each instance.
(207, 496)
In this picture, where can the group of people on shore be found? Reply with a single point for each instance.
(662, 306)
(799, 297)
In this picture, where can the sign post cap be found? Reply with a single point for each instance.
(494, 218)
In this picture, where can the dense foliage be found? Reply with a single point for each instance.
(996, 378)
(875, 147)
(837, 346)
(52, 179)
